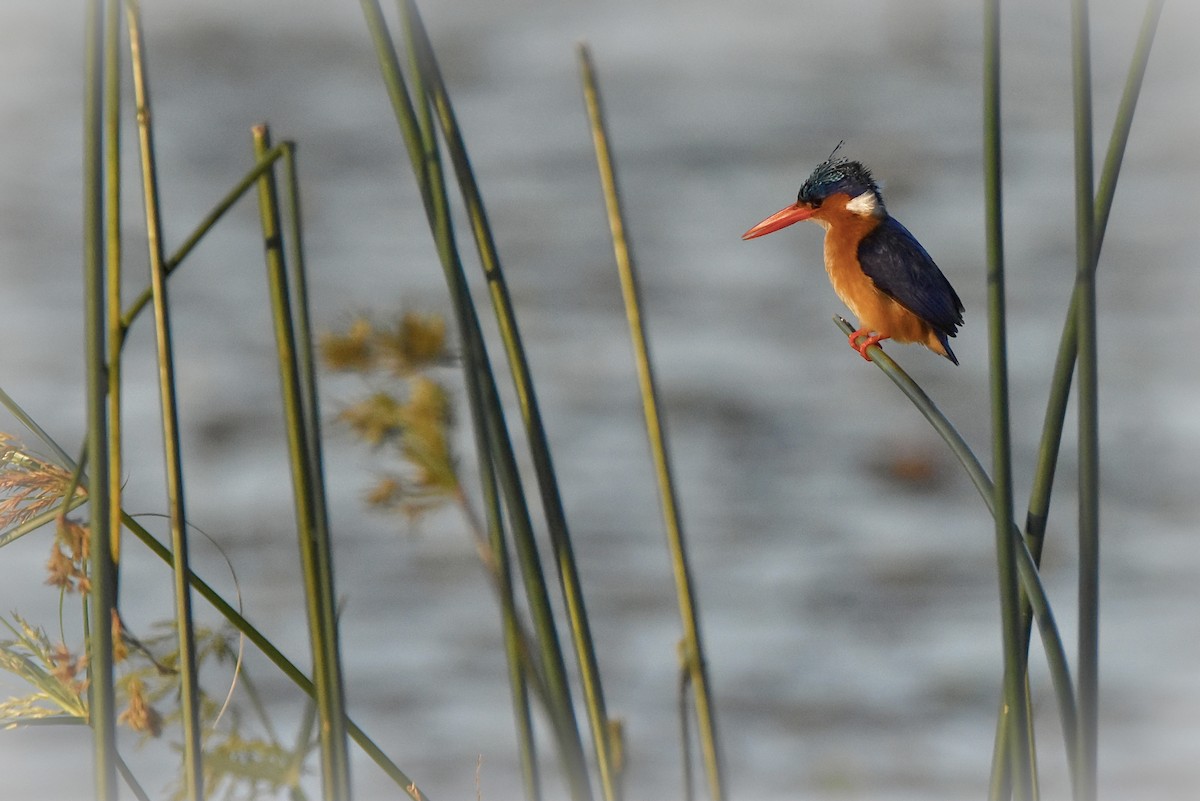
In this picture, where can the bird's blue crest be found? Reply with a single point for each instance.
(838, 175)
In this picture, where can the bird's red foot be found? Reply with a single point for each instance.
(871, 339)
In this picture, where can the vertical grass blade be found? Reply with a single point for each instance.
(102, 600)
(483, 399)
(112, 211)
(306, 374)
(312, 527)
(1123, 124)
(1060, 384)
(1069, 339)
(521, 669)
(193, 778)
(298, 294)
(539, 445)
(692, 648)
(492, 446)
(1089, 435)
(1015, 696)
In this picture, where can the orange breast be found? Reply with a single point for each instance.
(875, 310)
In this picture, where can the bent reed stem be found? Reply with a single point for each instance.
(1056, 657)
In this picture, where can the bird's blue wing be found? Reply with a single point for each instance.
(901, 268)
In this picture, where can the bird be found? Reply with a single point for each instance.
(877, 268)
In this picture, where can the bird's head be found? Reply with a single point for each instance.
(837, 189)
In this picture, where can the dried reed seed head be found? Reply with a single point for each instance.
(351, 351)
(425, 337)
(375, 419)
(140, 715)
(29, 485)
(386, 493)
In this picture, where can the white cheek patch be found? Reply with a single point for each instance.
(863, 204)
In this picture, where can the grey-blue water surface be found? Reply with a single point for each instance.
(844, 563)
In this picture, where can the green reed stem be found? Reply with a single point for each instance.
(490, 431)
(122, 767)
(1123, 123)
(193, 776)
(539, 445)
(277, 657)
(1069, 339)
(522, 670)
(306, 373)
(1089, 435)
(298, 285)
(483, 399)
(1016, 700)
(223, 607)
(311, 525)
(249, 180)
(103, 601)
(556, 522)
(112, 169)
(1056, 656)
(692, 649)
(1060, 384)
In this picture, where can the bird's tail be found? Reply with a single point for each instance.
(944, 341)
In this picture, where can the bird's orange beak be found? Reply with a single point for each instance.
(781, 219)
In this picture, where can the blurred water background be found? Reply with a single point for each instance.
(844, 564)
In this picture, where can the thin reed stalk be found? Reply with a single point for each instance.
(1089, 434)
(1064, 367)
(484, 402)
(1056, 656)
(193, 774)
(692, 650)
(112, 213)
(208, 593)
(306, 362)
(522, 670)
(1016, 699)
(310, 410)
(102, 600)
(556, 523)
(277, 657)
(497, 456)
(248, 181)
(311, 524)
(130, 780)
(1060, 383)
(490, 436)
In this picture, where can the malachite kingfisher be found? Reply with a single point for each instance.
(876, 266)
